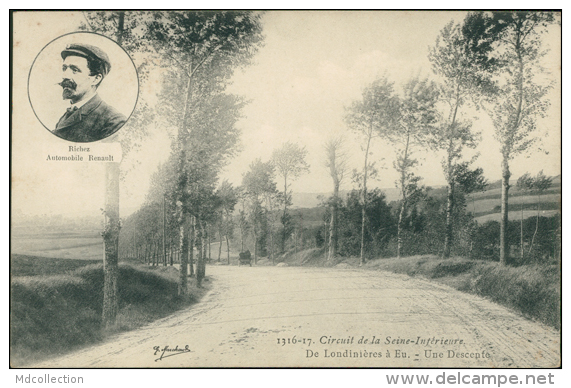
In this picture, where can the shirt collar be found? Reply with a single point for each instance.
(82, 102)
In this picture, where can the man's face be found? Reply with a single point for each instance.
(76, 80)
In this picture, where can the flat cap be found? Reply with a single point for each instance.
(90, 53)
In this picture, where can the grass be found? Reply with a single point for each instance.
(24, 265)
(83, 246)
(516, 215)
(533, 291)
(53, 314)
(486, 205)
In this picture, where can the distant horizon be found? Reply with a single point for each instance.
(127, 211)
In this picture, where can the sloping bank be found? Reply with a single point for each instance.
(52, 315)
(532, 290)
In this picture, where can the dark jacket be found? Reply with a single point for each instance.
(94, 121)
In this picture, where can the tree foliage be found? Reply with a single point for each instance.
(512, 41)
(418, 117)
(290, 163)
(336, 162)
(258, 183)
(376, 112)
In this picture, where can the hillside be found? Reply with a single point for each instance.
(309, 200)
(484, 205)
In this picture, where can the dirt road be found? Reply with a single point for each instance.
(306, 317)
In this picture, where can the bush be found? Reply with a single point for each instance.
(55, 314)
(533, 290)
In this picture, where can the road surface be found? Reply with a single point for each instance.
(328, 317)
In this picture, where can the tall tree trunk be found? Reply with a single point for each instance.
(536, 225)
(241, 240)
(228, 248)
(450, 177)
(184, 246)
(112, 226)
(192, 238)
(271, 245)
(200, 252)
(364, 209)
(326, 235)
(111, 242)
(164, 229)
(209, 242)
(449, 219)
(182, 186)
(206, 243)
(301, 237)
(295, 246)
(399, 227)
(403, 184)
(504, 244)
(332, 246)
(285, 220)
(220, 245)
(521, 233)
(255, 246)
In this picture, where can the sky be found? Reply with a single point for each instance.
(313, 65)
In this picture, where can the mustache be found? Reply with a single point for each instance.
(67, 83)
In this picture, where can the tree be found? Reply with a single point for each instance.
(271, 199)
(122, 27)
(375, 113)
(539, 185)
(524, 184)
(243, 223)
(201, 49)
(336, 162)
(227, 201)
(258, 183)
(380, 226)
(417, 119)
(520, 97)
(289, 162)
(470, 181)
(461, 76)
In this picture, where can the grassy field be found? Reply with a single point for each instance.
(68, 245)
(56, 305)
(23, 265)
(516, 215)
(486, 205)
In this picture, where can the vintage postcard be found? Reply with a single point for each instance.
(313, 189)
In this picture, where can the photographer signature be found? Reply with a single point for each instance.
(167, 351)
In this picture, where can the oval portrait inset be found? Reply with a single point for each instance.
(83, 87)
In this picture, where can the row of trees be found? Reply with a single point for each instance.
(255, 208)
(197, 53)
(250, 214)
(490, 61)
(424, 228)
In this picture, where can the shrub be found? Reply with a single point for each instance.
(55, 314)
